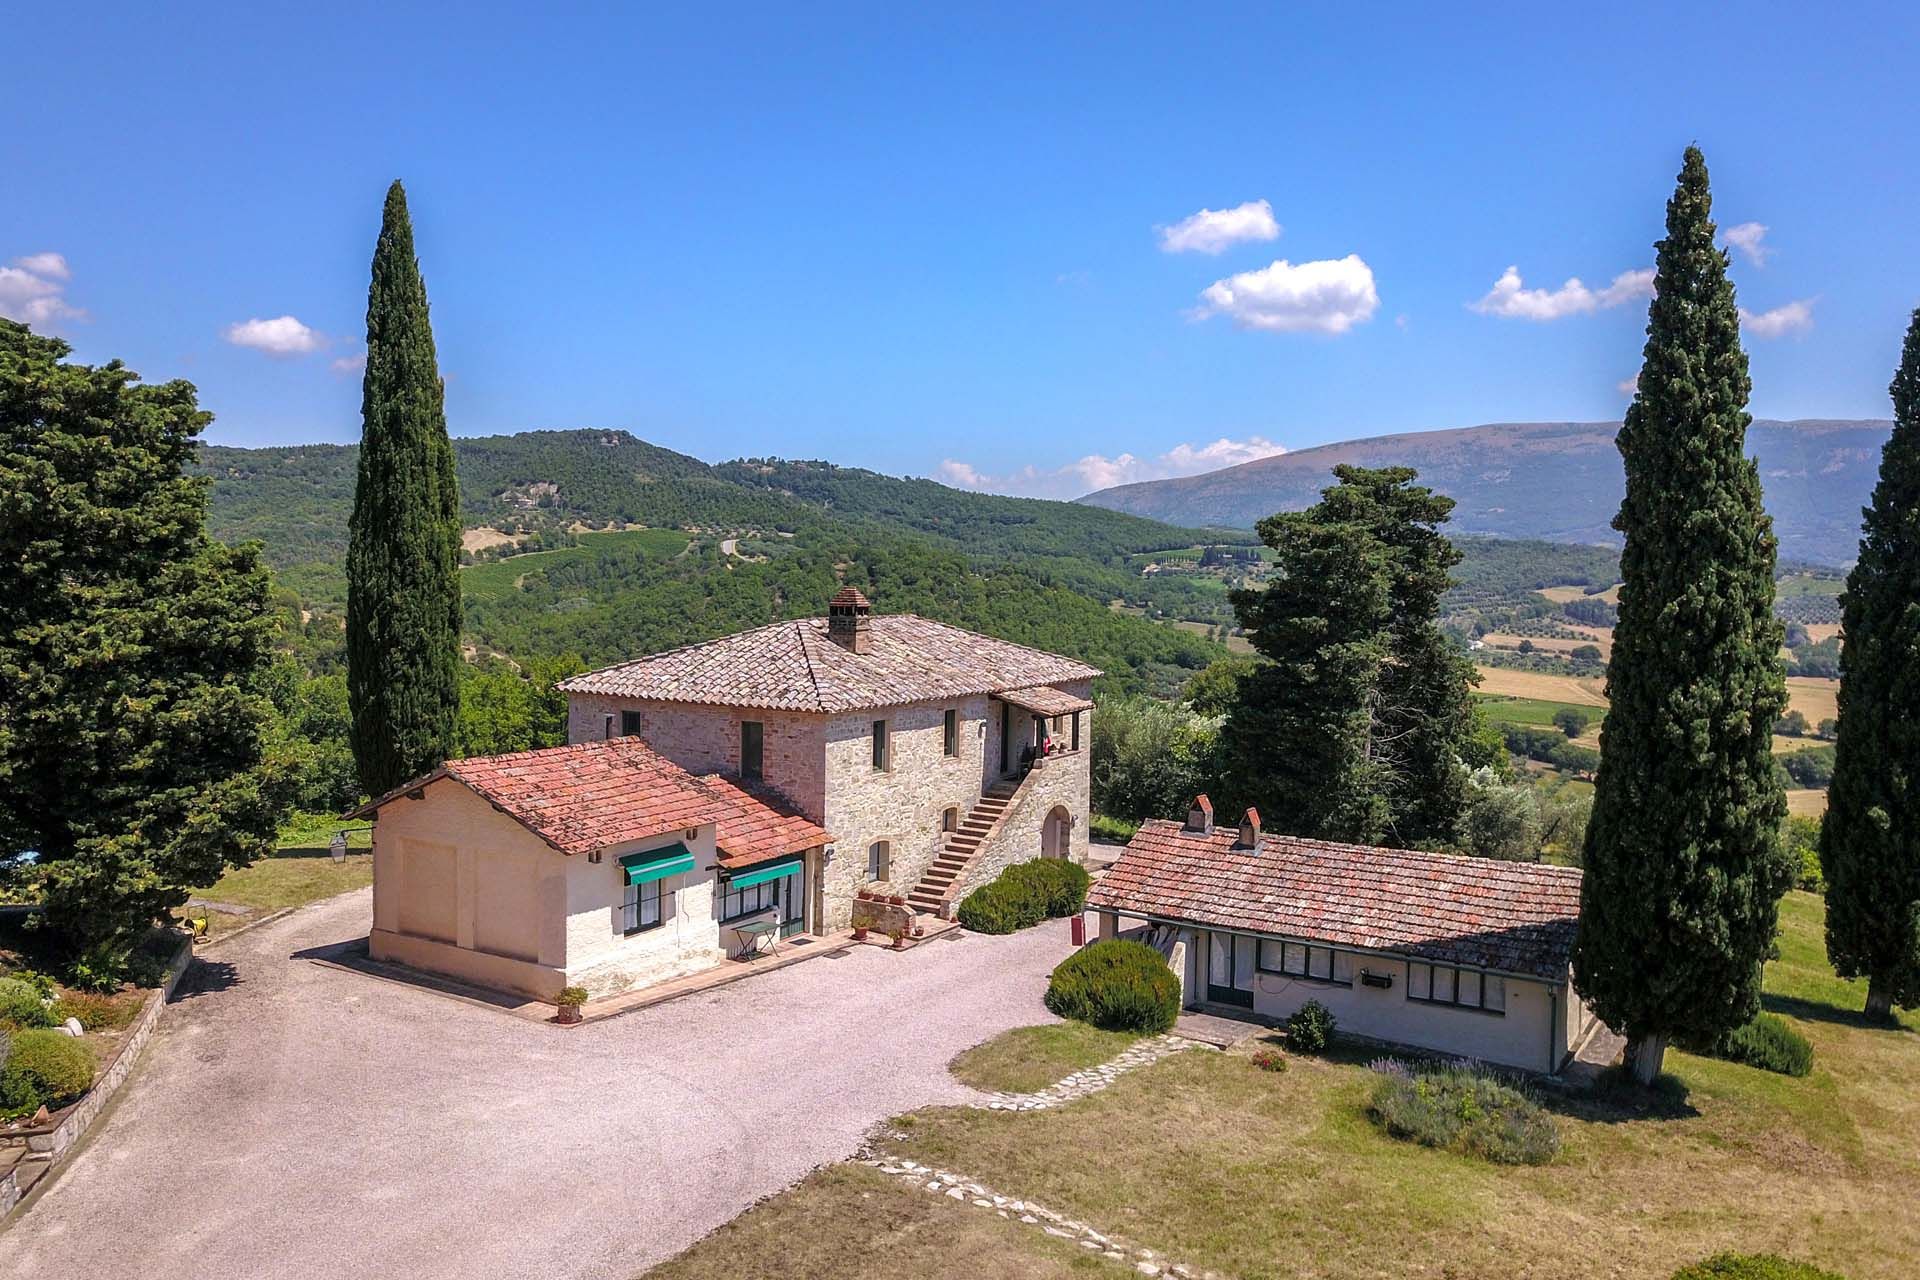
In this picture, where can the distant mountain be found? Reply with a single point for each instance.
(1557, 481)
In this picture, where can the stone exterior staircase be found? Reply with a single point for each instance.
(935, 893)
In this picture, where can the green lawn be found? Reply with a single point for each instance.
(1029, 1059)
(1209, 1160)
(497, 578)
(300, 871)
(1535, 712)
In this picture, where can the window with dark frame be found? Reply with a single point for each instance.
(606, 727)
(752, 749)
(735, 903)
(1303, 960)
(629, 724)
(1076, 731)
(1456, 988)
(951, 728)
(640, 907)
(880, 747)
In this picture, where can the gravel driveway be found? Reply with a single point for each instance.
(295, 1120)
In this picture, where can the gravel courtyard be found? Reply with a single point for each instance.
(291, 1119)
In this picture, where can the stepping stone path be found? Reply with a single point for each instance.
(966, 1191)
(1091, 1080)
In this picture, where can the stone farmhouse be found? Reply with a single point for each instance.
(1462, 956)
(935, 756)
(726, 794)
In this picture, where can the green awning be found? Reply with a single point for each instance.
(657, 864)
(765, 872)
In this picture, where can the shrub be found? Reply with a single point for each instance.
(1025, 894)
(1769, 1044)
(1455, 1109)
(1117, 985)
(1102, 827)
(1269, 1060)
(999, 907)
(1571, 721)
(1310, 1027)
(22, 1006)
(1753, 1266)
(95, 1011)
(44, 1067)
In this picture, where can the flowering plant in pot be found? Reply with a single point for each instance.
(899, 936)
(569, 1001)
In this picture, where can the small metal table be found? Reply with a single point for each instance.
(758, 937)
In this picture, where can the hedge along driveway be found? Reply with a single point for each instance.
(294, 1120)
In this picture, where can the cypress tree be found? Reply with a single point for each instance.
(403, 549)
(1870, 841)
(1684, 864)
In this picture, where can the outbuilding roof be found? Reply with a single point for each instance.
(1511, 917)
(797, 666)
(594, 795)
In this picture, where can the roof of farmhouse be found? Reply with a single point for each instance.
(810, 665)
(1512, 917)
(594, 795)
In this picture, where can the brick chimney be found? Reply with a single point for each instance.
(850, 620)
(1200, 817)
(1249, 830)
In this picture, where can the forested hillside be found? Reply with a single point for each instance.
(766, 541)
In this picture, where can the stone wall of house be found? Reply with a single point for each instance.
(1058, 782)
(707, 739)
(903, 804)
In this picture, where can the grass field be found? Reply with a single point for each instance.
(499, 577)
(1561, 595)
(300, 871)
(1029, 1059)
(1600, 638)
(1210, 1161)
(1806, 802)
(1815, 698)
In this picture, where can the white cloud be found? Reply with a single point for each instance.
(1511, 299)
(1215, 230)
(1794, 317)
(1330, 296)
(1097, 471)
(281, 336)
(1628, 386)
(349, 364)
(33, 291)
(1749, 238)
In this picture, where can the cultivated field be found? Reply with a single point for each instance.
(498, 577)
(1218, 1165)
(1581, 691)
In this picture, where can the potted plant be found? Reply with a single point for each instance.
(569, 1002)
(899, 936)
(860, 930)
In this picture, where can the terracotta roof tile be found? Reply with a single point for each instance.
(1515, 917)
(795, 666)
(593, 795)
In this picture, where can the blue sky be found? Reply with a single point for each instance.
(941, 244)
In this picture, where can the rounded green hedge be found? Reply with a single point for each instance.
(1753, 1266)
(1024, 894)
(47, 1067)
(1769, 1042)
(22, 1005)
(1117, 985)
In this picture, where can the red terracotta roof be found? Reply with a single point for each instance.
(1514, 917)
(1045, 700)
(594, 795)
(795, 666)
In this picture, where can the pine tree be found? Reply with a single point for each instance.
(135, 758)
(1358, 725)
(403, 551)
(1684, 864)
(1870, 841)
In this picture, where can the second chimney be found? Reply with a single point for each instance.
(1249, 830)
(1200, 817)
(850, 620)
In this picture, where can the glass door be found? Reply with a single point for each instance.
(790, 902)
(1230, 969)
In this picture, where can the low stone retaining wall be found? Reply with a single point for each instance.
(29, 1153)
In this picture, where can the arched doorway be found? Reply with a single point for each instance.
(1056, 833)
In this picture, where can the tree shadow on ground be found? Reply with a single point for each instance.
(1820, 1011)
(204, 978)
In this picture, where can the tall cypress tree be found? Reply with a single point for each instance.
(403, 550)
(1684, 865)
(1870, 841)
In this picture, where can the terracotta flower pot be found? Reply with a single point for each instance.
(569, 1014)
(859, 933)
